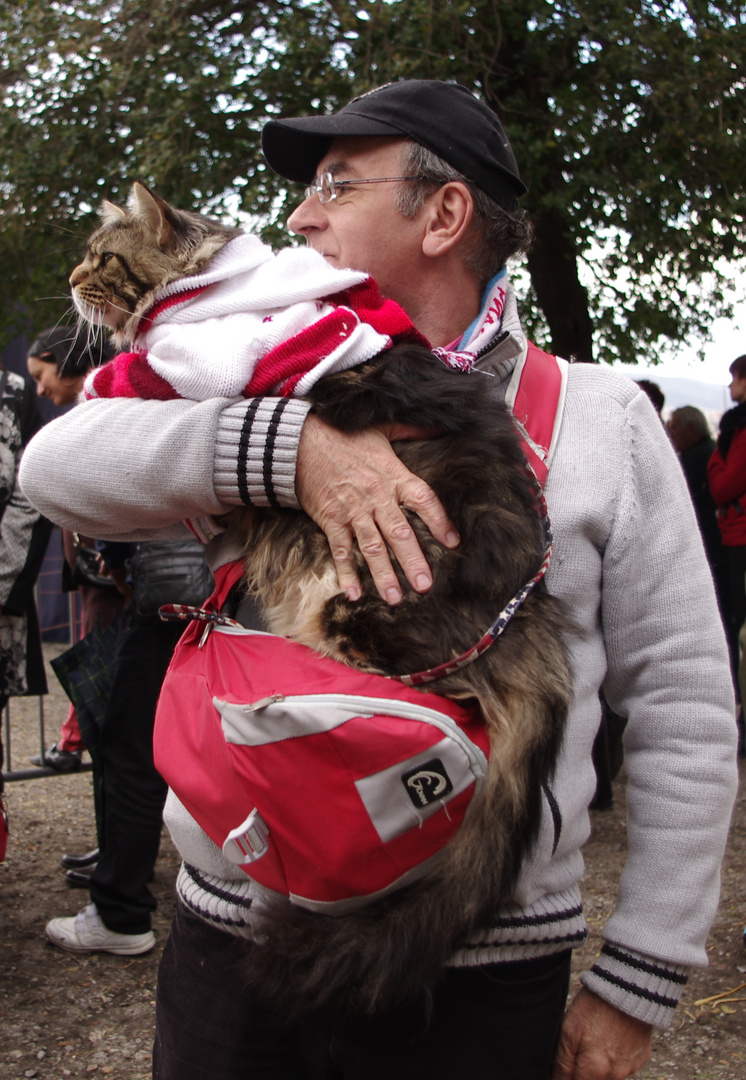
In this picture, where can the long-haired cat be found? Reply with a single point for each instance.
(396, 948)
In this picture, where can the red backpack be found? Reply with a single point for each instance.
(324, 783)
(327, 785)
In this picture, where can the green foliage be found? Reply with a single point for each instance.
(626, 117)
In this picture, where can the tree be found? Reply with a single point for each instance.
(626, 117)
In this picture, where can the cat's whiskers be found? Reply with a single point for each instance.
(70, 315)
(94, 335)
(95, 338)
(70, 232)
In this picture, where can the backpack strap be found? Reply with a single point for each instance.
(226, 577)
(536, 397)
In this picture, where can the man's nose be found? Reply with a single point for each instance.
(309, 215)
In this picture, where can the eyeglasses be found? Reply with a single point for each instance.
(327, 188)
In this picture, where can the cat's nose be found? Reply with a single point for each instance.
(77, 276)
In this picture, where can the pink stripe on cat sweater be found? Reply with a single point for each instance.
(276, 326)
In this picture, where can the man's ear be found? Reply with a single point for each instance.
(449, 215)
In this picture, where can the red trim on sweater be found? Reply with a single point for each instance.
(384, 315)
(166, 304)
(288, 362)
(129, 375)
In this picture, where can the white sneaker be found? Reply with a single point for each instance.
(85, 932)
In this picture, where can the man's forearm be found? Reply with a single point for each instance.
(126, 468)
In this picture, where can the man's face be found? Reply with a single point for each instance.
(681, 434)
(361, 229)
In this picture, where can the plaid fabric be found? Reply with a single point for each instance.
(86, 673)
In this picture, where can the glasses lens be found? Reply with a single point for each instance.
(326, 187)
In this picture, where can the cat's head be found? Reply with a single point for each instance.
(136, 251)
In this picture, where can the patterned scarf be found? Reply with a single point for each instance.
(480, 335)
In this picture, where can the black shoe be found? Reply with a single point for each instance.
(80, 878)
(74, 862)
(64, 761)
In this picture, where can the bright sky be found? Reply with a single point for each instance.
(728, 342)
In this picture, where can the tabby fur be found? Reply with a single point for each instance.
(395, 949)
(136, 251)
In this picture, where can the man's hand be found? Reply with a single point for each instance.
(598, 1042)
(353, 486)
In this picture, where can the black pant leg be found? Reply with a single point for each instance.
(209, 1025)
(737, 580)
(496, 1022)
(133, 792)
(3, 703)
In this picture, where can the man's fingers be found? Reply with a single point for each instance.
(354, 487)
(374, 550)
(598, 1042)
(401, 539)
(374, 538)
(415, 493)
(372, 546)
(564, 1060)
(341, 543)
(423, 501)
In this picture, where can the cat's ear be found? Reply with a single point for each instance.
(151, 209)
(110, 213)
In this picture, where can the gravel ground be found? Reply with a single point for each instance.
(63, 1015)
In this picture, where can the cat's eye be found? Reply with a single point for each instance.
(104, 257)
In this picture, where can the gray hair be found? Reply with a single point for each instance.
(496, 233)
(693, 418)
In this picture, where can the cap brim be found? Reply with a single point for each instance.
(293, 148)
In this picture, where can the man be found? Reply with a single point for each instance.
(434, 231)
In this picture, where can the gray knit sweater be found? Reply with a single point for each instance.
(629, 564)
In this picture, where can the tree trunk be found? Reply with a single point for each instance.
(554, 275)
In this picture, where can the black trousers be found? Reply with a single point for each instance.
(3, 703)
(737, 579)
(499, 1022)
(132, 791)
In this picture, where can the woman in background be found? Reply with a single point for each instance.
(23, 541)
(726, 473)
(58, 362)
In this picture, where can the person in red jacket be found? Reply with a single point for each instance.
(726, 473)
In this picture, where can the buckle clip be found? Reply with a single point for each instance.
(248, 841)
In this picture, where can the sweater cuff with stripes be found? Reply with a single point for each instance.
(640, 986)
(256, 451)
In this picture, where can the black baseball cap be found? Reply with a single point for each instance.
(441, 116)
